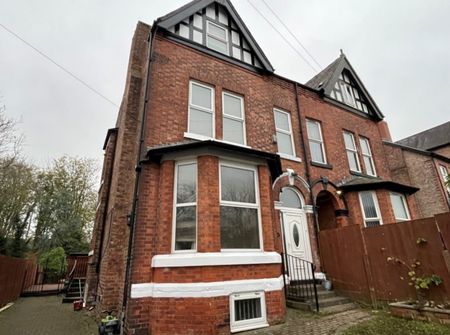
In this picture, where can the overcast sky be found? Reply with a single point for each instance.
(400, 50)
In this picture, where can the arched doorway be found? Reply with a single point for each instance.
(326, 206)
(294, 224)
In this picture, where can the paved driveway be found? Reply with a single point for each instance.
(45, 316)
(302, 323)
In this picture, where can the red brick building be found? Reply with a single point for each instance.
(217, 167)
(423, 160)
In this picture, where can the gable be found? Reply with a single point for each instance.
(340, 83)
(216, 26)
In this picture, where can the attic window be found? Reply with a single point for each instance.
(346, 91)
(217, 38)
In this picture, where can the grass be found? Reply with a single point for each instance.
(384, 324)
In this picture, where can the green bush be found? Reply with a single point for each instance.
(54, 261)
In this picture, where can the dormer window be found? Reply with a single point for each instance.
(217, 37)
(346, 91)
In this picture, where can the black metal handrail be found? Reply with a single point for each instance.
(300, 284)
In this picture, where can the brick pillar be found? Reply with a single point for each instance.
(266, 205)
(208, 205)
(383, 129)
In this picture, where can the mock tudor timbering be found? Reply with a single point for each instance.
(220, 138)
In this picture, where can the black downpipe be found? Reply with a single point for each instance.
(305, 158)
(132, 216)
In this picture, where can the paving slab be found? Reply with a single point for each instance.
(305, 323)
(45, 316)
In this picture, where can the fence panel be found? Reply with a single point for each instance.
(402, 241)
(12, 272)
(342, 257)
(357, 259)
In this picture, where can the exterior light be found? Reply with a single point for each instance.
(291, 176)
(339, 192)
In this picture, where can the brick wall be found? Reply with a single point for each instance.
(108, 286)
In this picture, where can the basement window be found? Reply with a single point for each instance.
(247, 311)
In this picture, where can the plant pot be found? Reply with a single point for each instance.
(408, 310)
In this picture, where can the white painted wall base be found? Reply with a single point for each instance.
(215, 259)
(205, 290)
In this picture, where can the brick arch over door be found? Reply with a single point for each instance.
(299, 184)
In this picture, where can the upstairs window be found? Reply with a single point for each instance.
(352, 152)
(185, 198)
(217, 37)
(233, 118)
(284, 133)
(201, 110)
(400, 207)
(370, 209)
(346, 91)
(445, 177)
(367, 156)
(316, 146)
(239, 207)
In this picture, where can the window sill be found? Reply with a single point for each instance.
(235, 329)
(206, 138)
(322, 165)
(289, 157)
(360, 174)
(215, 259)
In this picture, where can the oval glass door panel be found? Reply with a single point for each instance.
(296, 235)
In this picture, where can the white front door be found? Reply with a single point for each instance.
(296, 234)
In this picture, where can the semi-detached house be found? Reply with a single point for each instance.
(219, 175)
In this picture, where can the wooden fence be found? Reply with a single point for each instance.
(15, 274)
(356, 259)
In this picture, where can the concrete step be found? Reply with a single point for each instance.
(333, 301)
(337, 308)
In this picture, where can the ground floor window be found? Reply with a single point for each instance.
(239, 207)
(247, 311)
(370, 208)
(400, 206)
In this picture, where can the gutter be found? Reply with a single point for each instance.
(138, 168)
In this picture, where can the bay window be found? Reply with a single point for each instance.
(370, 209)
(400, 206)
(185, 208)
(239, 207)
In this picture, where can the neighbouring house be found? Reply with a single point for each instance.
(217, 167)
(423, 160)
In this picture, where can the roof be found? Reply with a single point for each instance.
(429, 139)
(273, 160)
(327, 78)
(417, 151)
(360, 183)
(194, 6)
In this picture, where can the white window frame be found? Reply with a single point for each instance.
(282, 154)
(349, 98)
(405, 205)
(238, 326)
(209, 34)
(353, 150)
(321, 142)
(369, 155)
(377, 208)
(232, 117)
(203, 109)
(187, 204)
(445, 176)
(256, 205)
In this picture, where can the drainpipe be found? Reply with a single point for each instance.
(305, 159)
(132, 216)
